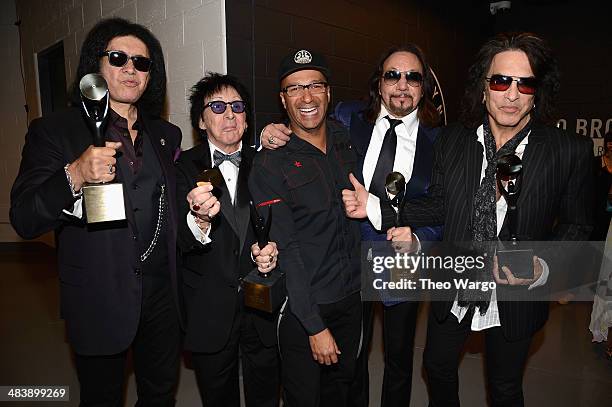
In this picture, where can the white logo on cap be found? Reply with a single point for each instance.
(302, 57)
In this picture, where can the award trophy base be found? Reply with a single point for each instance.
(519, 261)
(103, 202)
(264, 293)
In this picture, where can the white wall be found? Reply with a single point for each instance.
(13, 119)
(191, 32)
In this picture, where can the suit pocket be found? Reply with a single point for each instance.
(73, 275)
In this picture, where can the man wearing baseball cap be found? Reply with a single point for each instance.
(320, 324)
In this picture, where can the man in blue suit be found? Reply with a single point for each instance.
(395, 131)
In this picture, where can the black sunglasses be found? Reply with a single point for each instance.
(414, 79)
(501, 83)
(120, 58)
(219, 106)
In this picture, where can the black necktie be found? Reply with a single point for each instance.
(219, 157)
(386, 158)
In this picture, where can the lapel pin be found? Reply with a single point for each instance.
(162, 141)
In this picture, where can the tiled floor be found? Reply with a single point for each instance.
(565, 368)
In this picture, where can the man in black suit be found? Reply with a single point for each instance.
(508, 104)
(118, 279)
(214, 237)
(400, 90)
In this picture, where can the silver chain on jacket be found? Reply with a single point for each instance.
(160, 219)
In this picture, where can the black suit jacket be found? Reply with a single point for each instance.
(100, 292)
(553, 205)
(211, 273)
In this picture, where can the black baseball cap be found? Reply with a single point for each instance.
(300, 60)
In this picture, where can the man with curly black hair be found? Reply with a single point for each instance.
(117, 279)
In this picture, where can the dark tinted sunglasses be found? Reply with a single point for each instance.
(218, 106)
(120, 58)
(501, 83)
(414, 79)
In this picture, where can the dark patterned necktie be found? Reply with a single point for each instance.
(386, 158)
(484, 213)
(219, 157)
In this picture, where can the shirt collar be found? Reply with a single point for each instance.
(116, 120)
(480, 134)
(408, 120)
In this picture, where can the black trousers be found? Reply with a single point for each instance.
(155, 351)
(399, 326)
(217, 373)
(359, 394)
(505, 362)
(306, 382)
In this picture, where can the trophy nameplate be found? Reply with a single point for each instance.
(263, 291)
(103, 202)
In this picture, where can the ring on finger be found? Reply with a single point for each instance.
(111, 170)
(271, 140)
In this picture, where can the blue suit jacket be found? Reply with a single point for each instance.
(349, 114)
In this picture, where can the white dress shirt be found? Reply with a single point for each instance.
(491, 317)
(230, 175)
(404, 155)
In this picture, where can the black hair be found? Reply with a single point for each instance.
(428, 114)
(208, 86)
(542, 62)
(152, 99)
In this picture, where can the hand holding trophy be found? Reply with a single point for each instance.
(263, 291)
(103, 201)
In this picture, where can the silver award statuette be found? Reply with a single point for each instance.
(518, 259)
(102, 202)
(395, 186)
(263, 291)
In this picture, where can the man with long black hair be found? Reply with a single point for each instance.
(507, 109)
(118, 280)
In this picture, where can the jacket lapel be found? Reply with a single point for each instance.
(421, 168)
(243, 197)
(534, 160)
(473, 165)
(227, 209)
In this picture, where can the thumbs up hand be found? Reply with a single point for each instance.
(355, 201)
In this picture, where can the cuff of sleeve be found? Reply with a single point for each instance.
(373, 211)
(202, 237)
(313, 324)
(77, 209)
(544, 277)
(260, 147)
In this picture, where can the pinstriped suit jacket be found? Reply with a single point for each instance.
(553, 204)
